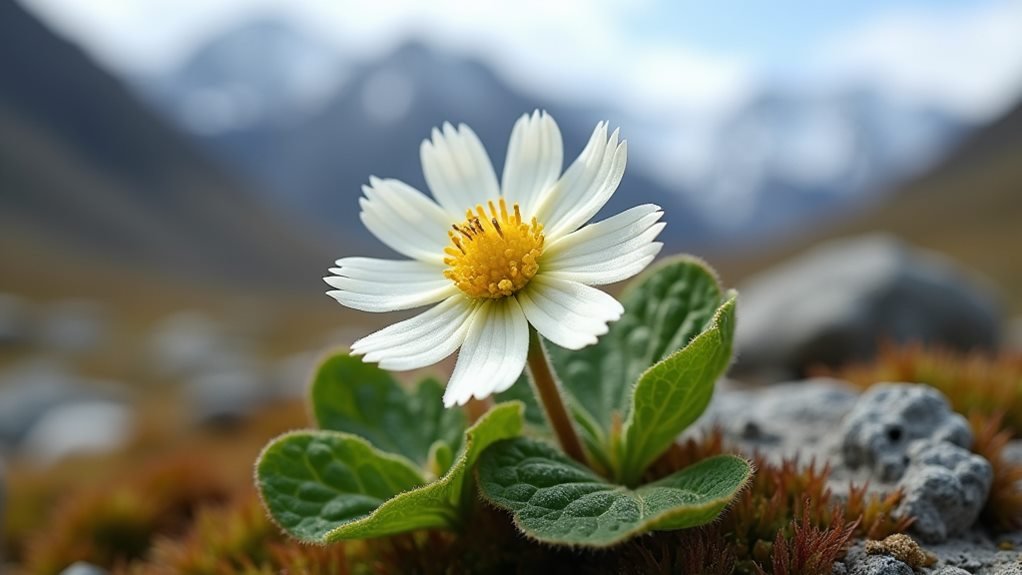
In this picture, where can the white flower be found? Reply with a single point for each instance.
(496, 257)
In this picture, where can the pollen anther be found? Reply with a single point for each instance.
(493, 256)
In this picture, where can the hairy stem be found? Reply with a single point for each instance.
(545, 386)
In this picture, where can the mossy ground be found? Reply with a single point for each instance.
(182, 502)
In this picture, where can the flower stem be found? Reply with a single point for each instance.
(545, 386)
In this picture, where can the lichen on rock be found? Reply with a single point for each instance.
(945, 488)
(903, 548)
(889, 417)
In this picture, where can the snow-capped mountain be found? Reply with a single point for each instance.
(784, 156)
(265, 72)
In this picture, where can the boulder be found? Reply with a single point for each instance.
(188, 343)
(945, 488)
(886, 420)
(223, 396)
(32, 387)
(78, 428)
(837, 302)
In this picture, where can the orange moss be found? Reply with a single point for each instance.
(1003, 509)
(974, 383)
(114, 524)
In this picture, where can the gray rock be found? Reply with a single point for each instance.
(83, 568)
(950, 570)
(225, 395)
(780, 420)
(834, 304)
(74, 326)
(78, 428)
(945, 487)
(889, 417)
(188, 343)
(31, 388)
(880, 565)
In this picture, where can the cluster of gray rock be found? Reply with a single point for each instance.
(893, 436)
(49, 410)
(836, 304)
(68, 326)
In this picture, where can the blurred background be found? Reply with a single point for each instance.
(177, 176)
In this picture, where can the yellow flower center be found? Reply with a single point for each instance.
(495, 255)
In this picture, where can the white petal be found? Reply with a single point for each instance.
(405, 219)
(568, 313)
(457, 170)
(378, 291)
(585, 187)
(374, 269)
(494, 353)
(421, 340)
(609, 251)
(534, 158)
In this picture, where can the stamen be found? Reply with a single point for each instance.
(493, 256)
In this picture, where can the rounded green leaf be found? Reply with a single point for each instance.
(313, 481)
(440, 503)
(557, 500)
(323, 486)
(355, 397)
(674, 393)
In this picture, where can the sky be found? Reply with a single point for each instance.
(660, 58)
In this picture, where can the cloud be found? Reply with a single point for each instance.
(966, 59)
(582, 50)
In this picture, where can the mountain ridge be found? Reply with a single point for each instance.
(88, 167)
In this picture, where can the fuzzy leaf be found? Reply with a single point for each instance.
(674, 393)
(665, 308)
(355, 397)
(442, 502)
(557, 500)
(312, 481)
(324, 486)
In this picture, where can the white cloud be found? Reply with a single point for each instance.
(579, 49)
(966, 59)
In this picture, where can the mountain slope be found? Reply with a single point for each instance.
(90, 172)
(969, 207)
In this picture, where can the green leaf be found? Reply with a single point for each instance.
(557, 500)
(674, 393)
(312, 481)
(324, 486)
(355, 397)
(442, 502)
(665, 308)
